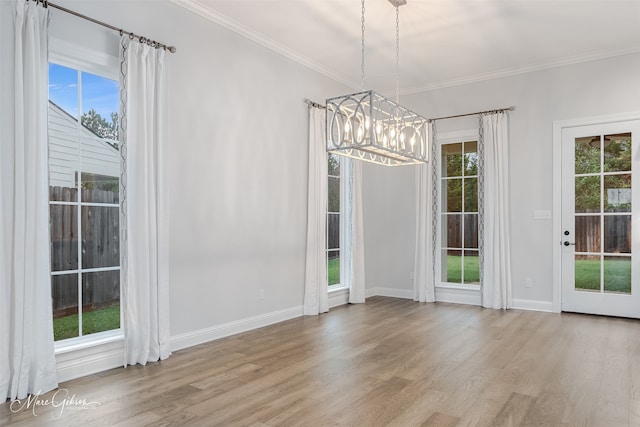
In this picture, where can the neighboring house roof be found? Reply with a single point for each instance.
(99, 156)
(111, 142)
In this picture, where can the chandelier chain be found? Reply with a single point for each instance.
(397, 54)
(362, 50)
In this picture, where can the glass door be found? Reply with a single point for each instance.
(599, 207)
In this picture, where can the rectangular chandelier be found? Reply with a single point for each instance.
(367, 126)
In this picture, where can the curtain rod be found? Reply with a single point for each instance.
(498, 110)
(311, 103)
(132, 36)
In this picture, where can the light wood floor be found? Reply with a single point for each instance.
(388, 362)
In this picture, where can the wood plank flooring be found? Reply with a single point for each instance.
(388, 362)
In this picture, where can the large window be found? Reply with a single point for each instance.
(84, 202)
(337, 213)
(459, 208)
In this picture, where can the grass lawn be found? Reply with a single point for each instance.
(105, 319)
(333, 271)
(471, 269)
(617, 275)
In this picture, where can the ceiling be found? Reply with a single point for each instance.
(442, 42)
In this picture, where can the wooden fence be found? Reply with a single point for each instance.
(588, 236)
(100, 246)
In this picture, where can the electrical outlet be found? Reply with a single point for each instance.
(528, 283)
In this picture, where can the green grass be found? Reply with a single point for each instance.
(471, 269)
(617, 275)
(104, 319)
(333, 271)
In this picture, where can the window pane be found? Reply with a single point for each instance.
(63, 228)
(587, 232)
(64, 298)
(100, 301)
(471, 194)
(617, 274)
(587, 194)
(334, 195)
(63, 88)
(452, 195)
(453, 272)
(333, 162)
(452, 231)
(471, 158)
(617, 234)
(100, 104)
(617, 152)
(100, 236)
(587, 273)
(333, 267)
(471, 267)
(617, 196)
(100, 188)
(471, 231)
(588, 155)
(63, 194)
(452, 160)
(63, 132)
(333, 231)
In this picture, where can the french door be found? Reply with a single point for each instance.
(600, 230)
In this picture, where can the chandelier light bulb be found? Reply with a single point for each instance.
(367, 123)
(392, 133)
(402, 137)
(378, 128)
(384, 140)
(360, 132)
(346, 127)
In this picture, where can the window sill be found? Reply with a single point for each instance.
(466, 287)
(88, 341)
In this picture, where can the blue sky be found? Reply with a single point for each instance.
(98, 93)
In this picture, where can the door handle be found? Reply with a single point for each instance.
(566, 243)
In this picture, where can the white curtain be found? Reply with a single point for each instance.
(144, 210)
(27, 357)
(423, 286)
(316, 296)
(356, 249)
(496, 280)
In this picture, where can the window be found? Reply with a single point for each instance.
(84, 202)
(459, 208)
(337, 214)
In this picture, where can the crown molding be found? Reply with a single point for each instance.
(228, 23)
(520, 70)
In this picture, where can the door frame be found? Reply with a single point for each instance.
(558, 126)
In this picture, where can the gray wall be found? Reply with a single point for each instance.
(594, 88)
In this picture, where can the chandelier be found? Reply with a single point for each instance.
(367, 126)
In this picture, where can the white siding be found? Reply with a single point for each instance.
(98, 156)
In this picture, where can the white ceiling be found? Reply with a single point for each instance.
(442, 42)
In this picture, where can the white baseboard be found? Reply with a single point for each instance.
(389, 292)
(338, 297)
(201, 336)
(533, 305)
(91, 360)
(458, 296)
